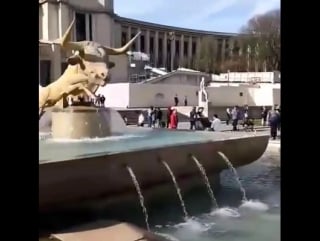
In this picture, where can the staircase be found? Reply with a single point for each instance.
(132, 115)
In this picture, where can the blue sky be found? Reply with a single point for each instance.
(211, 15)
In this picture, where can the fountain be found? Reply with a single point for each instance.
(87, 150)
(141, 199)
(206, 181)
(234, 171)
(87, 70)
(177, 189)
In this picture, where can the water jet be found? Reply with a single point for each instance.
(177, 189)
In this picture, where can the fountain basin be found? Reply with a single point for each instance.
(76, 122)
(63, 181)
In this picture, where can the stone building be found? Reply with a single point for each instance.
(167, 46)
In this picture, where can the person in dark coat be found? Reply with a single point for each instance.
(274, 119)
(193, 118)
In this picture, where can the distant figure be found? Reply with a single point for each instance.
(279, 113)
(185, 101)
(154, 118)
(245, 115)
(159, 117)
(81, 99)
(70, 100)
(169, 111)
(246, 111)
(150, 116)
(193, 118)
(98, 99)
(176, 100)
(215, 124)
(228, 112)
(235, 118)
(248, 124)
(125, 120)
(199, 117)
(273, 119)
(141, 119)
(174, 119)
(102, 100)
(264, 114)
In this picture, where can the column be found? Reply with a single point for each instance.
(189, 51)
(138, 40)
(50, 26)
(181, 50)
(231, 46)
(173, 51)
(223, 49)
(55, 62)
(128, 34)
(94, 27)
(156, 48)
(39, 65)
(147, 41)
(198, 50)
(164, 49)
(64, 19)
(88, 27)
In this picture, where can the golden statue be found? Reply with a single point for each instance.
(88, 68)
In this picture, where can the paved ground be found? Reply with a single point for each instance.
(223, 127)
(228, 128)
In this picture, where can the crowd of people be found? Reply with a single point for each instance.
(270, 117)
(86, 101)
(155, 118)
(236, 116)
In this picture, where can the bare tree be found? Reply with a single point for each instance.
(262, 35)
(207, 59)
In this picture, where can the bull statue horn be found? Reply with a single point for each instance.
(121, 50)
(65, 42)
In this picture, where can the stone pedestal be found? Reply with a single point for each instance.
(115, 232)
(78, 122)
(205, 106)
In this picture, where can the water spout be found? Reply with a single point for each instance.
(141, 199)
(177, 188)
(206, 181)
(234, 171)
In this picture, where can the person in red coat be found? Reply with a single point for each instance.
(174, 119)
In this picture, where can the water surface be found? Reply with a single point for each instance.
(258, 220)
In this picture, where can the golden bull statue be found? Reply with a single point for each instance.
(88, 68)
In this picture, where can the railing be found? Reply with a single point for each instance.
(254, 80)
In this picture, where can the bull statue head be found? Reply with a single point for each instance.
(90, 58)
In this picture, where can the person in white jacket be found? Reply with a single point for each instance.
(215, 123)
(141, 119)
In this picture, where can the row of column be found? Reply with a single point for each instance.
(165, 36)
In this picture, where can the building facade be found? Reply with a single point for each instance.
(167, 46)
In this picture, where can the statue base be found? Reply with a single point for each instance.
(113, 231)
(78, 122)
